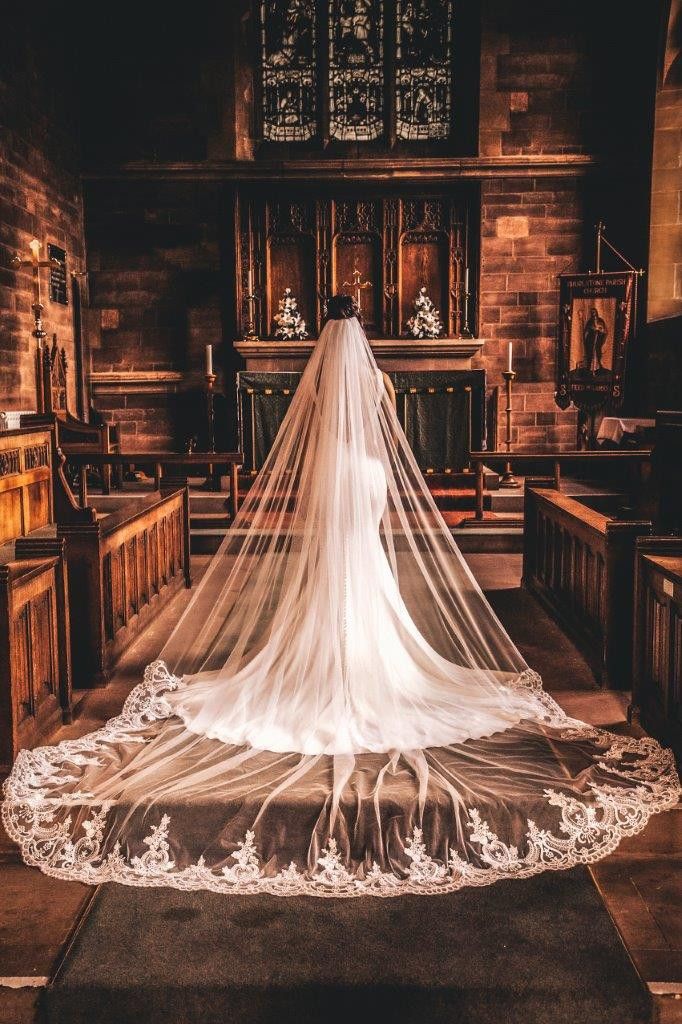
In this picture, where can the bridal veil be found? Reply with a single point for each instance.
(338, 710)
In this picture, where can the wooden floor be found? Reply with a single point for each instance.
(641, 883)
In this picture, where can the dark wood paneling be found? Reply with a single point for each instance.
(580, 564)
(657, 640)
(35, 675)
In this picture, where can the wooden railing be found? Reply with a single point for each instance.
(555, 462)
(35, 669)
(122, 568)
(165, 466)
(580, 564)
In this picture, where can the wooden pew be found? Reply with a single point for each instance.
(35, 665)
(657, 638)
(580, 565)
(123, 568)
(35, 692)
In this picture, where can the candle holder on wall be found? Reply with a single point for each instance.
(508, 479)
(37, 308)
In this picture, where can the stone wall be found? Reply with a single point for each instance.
(160, 221)
(665, 257)
(157, 293)
(40, 194)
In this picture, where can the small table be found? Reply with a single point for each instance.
(614, 428)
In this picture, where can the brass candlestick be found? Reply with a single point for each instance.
(210, 412)
(508, 477)
(251, 332)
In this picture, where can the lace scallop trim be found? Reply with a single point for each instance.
(586, 832)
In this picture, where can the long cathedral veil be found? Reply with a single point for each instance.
(338, 711)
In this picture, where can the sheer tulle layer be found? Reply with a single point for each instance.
(338, 711)
(145, 802)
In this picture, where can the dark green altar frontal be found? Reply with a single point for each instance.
(442, 413)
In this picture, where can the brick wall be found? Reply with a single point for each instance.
(40, 195)
(156, 295)
(665, 251)
(549, 85)
(535, 92)
(531, 231)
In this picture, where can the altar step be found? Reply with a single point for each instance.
(453, 493)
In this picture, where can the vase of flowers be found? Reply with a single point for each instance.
(290, 325)
(425, 322)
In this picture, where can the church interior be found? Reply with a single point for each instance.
(499, 188)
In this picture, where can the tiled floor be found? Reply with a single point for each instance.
(641, 883)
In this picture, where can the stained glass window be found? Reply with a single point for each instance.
(356, 72)
(423, 57)
(368, 88)
(288, 53)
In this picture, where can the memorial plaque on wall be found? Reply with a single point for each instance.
(58, 289)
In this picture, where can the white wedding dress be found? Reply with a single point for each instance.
(338, 712)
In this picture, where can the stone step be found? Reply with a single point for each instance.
(205, 541)
(506, 501)
(502, 539)
(209, 520)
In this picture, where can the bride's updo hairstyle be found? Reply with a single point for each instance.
(342, 307)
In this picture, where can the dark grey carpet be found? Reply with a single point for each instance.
(540, 951)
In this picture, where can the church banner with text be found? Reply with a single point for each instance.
(595, 326)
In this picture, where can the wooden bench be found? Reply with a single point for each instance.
(122, 567)
(35, 667)
(580, 564)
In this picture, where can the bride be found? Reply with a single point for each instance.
(338, 711)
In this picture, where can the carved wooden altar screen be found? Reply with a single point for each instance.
(312, 243)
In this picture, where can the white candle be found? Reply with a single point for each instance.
(510, 351)
(466, 281)
(209, 359)
(250, 282)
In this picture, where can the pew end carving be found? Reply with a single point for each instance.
(35, 660)
(657, 638)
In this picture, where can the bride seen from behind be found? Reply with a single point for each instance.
(338, 711)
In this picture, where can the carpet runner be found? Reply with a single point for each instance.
(539, 951)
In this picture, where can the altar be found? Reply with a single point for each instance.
(443, 354)
(441, 411)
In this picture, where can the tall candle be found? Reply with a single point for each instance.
(466, 281)
(35, 248)
(250, 282)
(510, 349)
(209, 359)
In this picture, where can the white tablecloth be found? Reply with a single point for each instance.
(612, 428)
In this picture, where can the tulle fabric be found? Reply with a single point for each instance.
(338, 710)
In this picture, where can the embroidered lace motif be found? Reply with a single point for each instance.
(586, 830)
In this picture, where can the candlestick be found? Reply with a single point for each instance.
(209, 360)
(465, 329)
(507, 479)
(210, 382)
